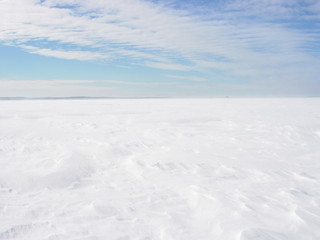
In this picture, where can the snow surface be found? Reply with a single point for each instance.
(143, 169)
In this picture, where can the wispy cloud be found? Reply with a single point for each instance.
(275, 9)
(64, 88)
(244, 38)
(168, 66)
(189, 78)
(65, 54)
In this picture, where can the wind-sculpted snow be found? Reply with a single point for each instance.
(151, 169)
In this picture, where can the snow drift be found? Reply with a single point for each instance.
(171, 169)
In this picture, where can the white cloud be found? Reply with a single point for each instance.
(168, 66)
(189, 78)
(78, 55)
(160, 37)
(67, 88)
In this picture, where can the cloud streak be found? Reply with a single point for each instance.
(65, 88)
(245, 39)
(189, 78)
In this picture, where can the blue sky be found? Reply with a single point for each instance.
(174, 48)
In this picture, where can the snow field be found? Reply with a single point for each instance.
(169, 169)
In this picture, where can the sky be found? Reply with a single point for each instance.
(159, 48)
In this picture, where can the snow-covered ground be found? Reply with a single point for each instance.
(170, 169)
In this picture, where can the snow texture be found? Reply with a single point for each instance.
(151, 169)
